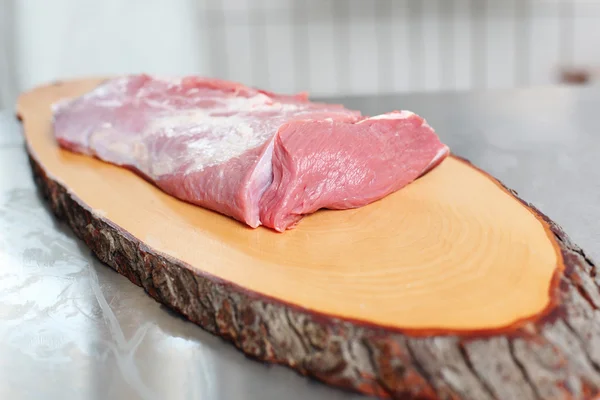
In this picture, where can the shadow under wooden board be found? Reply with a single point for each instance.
(452, 287)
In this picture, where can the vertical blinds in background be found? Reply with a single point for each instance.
(323, 46)
(358, 46)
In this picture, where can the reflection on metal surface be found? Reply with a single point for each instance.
(123, 349)
(72, 328)
(10, 130)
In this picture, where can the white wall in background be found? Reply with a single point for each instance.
(324, 46)
(62, 38)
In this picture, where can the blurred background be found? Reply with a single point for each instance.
(327, 47)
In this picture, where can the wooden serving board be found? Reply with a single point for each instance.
(452, 287)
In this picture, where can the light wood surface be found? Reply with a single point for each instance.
(453, 250)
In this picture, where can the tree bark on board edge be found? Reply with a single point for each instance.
(553, 356)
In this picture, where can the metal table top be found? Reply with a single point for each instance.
(72, 328)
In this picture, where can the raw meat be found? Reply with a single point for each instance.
(259, 157)
(338, 165)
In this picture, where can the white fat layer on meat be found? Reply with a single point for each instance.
(404, 114)
(262, 177)
(219, 134)
(107, 89)
(397, 115)
(218, 129)
(258, 102)
(441, 153)
(59, 105)
(216, 138)
(393, 115)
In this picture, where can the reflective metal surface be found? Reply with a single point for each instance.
(71, 328)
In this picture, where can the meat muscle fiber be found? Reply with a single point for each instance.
(259, 157)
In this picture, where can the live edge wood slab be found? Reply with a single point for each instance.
(452, 288)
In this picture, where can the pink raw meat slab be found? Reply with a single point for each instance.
(259, 157)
